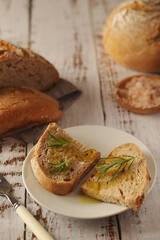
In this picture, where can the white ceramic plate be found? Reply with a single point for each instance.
(103, 139)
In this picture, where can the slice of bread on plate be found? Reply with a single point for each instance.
(127, 186)
(22, 67)
(59, 162)
(23, 108)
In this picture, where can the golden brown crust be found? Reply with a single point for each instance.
(61, 188)
(21, 108)
(120, 96)
(132, 37)
(22, 67)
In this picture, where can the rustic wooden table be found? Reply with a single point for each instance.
(69, 34)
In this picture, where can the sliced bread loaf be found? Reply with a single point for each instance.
(21, 67)
(22, 108)
(58, 167)
(130, 184)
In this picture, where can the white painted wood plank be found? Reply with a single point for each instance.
(12, 154)
(144, 223)
(14, 21)
(14, 28)
(61, 32)
(110, 72)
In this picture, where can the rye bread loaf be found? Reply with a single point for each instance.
(21, 67)
(79, 155)
(22, 108)
(132, 35)
(129, 187)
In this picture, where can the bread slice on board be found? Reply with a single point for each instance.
(129, 187)
(22, 108)
(21, 67)
(76, 156)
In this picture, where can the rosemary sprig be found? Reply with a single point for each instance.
(118, 162)
(61, 166)
(58, 141)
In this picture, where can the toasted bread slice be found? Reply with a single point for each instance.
(76, 156)
(129, 187)
(21, 67)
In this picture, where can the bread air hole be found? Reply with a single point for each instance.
(67, 179)
(2, 52)
(8, 65)
(121, 192)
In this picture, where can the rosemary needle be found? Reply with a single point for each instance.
(58, 141)
(118, 162)
(61, 166)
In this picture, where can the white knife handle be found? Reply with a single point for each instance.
(33, 224)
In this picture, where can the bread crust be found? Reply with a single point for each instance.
(131, 35)
(22, 67)
(59, 188)
(22, 108)
(56, 187)
(131, 202)
(119, 97)
(136, 204)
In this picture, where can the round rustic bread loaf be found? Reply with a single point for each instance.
(132, 35)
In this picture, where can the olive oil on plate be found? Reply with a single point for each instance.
(87, 200)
